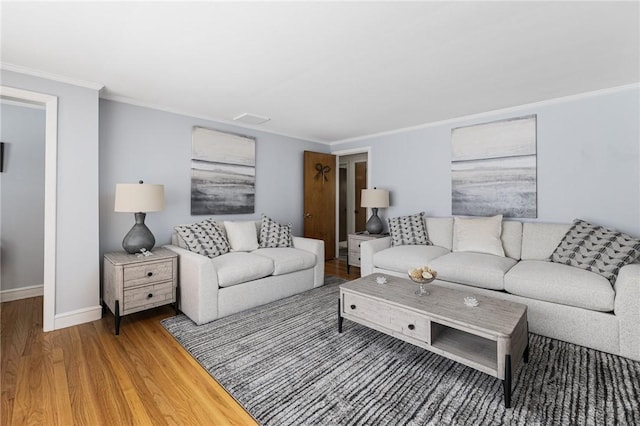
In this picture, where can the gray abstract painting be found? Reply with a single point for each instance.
(493, 169)
(223, 173)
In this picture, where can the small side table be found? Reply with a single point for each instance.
(353, 247)
(134, 283)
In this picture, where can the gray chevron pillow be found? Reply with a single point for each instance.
(205, 238)
(408, 230)
(596, 249)
(272, 234)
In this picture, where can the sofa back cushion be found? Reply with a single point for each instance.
(440, 231)
(512, 238)
(539, 240)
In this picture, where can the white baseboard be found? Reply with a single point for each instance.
(21, 293)
(80, 316)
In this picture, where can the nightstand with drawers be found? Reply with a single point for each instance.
(353, 247)
(134, 282)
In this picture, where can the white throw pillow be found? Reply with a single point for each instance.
(480, 235)
(242, 236)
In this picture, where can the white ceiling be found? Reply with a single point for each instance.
(327, 71)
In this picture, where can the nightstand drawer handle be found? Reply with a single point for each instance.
(150, 295)
(149, 274)
(353, 306)
(411, 326)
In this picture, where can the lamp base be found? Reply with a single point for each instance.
(374, 224)
(139, 237)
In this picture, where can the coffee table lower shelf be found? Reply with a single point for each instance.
(485, 350)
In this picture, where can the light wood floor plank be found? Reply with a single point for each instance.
(86, 375)
(63, 412)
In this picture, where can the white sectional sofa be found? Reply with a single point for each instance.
(211, 288)
(564, 302)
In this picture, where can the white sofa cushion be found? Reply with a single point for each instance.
(512, 238)
(402, 258)
(474, 269)
(558, 283)
(539, 240)
(440, 231)
(481, 235)
(239, 267)
(242, 236)
(286, 260)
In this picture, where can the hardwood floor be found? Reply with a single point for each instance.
(85, 375)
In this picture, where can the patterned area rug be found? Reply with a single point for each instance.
(287, 365)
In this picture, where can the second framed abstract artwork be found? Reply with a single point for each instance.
(494, 168)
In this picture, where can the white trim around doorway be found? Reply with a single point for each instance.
(362, 150)
(50, 104)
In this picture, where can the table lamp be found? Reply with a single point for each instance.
(375, 199)
(139, 198)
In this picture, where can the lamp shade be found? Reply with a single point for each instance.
(375, 198)
(139, 197)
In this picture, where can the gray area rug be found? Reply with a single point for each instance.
(287, 365)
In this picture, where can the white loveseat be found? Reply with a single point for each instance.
(564, 302)
(212, 288)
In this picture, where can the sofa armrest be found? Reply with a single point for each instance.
(316, 247)
(198, 282)
(367, 250)
(627, 309)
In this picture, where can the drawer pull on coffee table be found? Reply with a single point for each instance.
(150, 295)
(411, 326)
(149, 274)
(353, 306)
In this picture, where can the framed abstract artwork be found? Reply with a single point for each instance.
(494, 168)
(223, 173)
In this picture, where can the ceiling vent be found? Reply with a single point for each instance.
(251, 118)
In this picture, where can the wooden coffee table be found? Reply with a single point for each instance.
(491, 337)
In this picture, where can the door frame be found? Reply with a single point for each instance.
(50, 104)
(362, 150)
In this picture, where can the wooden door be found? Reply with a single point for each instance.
(361, 183)
(320, 200)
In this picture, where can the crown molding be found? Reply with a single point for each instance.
(50, 76)
(163, 108)
(514, 109)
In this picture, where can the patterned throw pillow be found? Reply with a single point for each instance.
(272, 234)
(596, 249)
(408, 230)
(205, 238)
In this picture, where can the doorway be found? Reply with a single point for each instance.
(50, 104)
(354, 177)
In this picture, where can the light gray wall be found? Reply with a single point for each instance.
(588, 161)
(77, 256)
(155, 146)
(22, 197)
